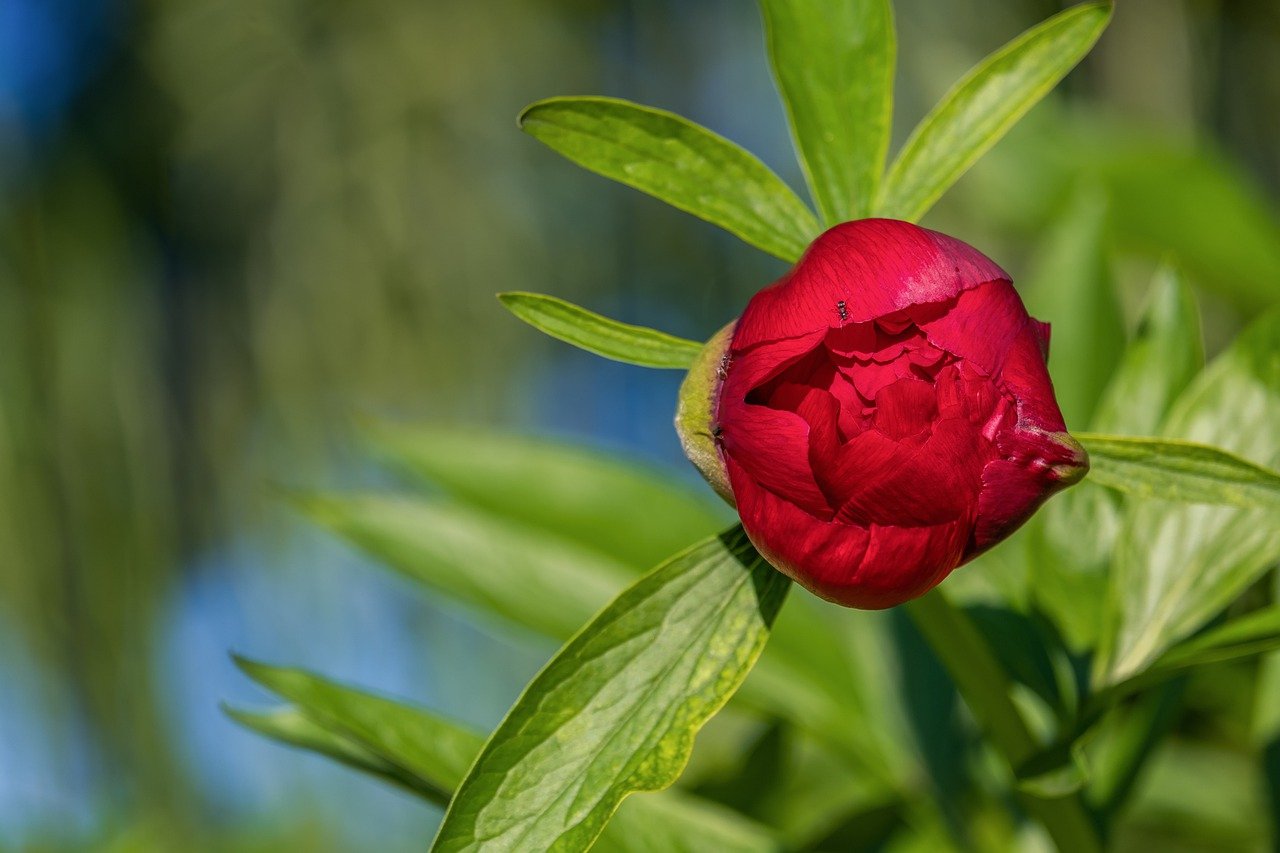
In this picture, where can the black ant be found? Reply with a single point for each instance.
(842, 310)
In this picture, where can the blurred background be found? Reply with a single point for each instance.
(230, 229)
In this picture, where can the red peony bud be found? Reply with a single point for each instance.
(881, 414)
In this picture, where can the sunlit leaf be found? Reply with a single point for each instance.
(1178, 565)
(617, 709)
(433, 751)
(1179, 471)
(834, 64)
(430, 755)
(290, 726)
(581, 494)
(982, 107)
(675, 160)
(1070, 569)
(600, 335)
(1253, 634)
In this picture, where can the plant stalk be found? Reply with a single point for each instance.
(985, 687)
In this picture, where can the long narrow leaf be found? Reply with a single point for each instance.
(600, 335)
(429, 755)
(834, 63)
(1245, 636)
(430, 749)
(1178, 565)
(291, 726)
(1179, 471)
(982, 107)
(679, 162)
(617, 709)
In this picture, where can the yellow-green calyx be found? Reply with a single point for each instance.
(696, 412)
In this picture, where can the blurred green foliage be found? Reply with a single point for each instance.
(259, 219)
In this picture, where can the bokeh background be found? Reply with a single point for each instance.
(231, 229)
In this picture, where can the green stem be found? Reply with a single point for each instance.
(985, 686)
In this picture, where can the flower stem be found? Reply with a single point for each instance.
(985, 686)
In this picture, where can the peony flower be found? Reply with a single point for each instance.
(880, 415)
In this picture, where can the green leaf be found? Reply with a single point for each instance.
(1071, 287)
(291, 726)
(1165, 355)
(1179, 471)
(1071, 569)
(1167, 191)
(617, 709)
(600, 335)
(583, 495)
(430, 755)
(431, 751)
(834, 64)
(1244, 636)
(675, 160)
(982, 107)
(532, 578)
(1177, 565)
(987, 689)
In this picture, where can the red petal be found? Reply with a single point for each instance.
(874, 267)
(903, 563)
(1026, 379)
(750, 369)
(883, 481)
(1010, 494)
(905, 408)
(1035, 466)
(848, 564)
(773, 447)
(981, 326)
(798, 544)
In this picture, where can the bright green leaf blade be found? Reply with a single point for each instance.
(430, 755)
(617, 709)
(1245, 636)
(1178, 565)
(529, 577)
(292, 727)
(834, 64)
(600, 335)
(583, 495)
(1179, 471)
(431, 749)
(982, 107)
(1070, 569)
(675, 160)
